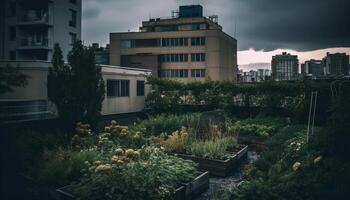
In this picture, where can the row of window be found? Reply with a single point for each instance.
(198, 57)
(195, 57)
(174, 58)
(182, 73)
(121, 88)
(164, 42)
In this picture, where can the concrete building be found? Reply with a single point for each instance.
(254, 75)
(30, 28)
(285, 67)
(101, 54)
(336, 64)
(312, 68)
(185, 47)
(125, 92)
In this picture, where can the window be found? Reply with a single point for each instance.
(198, 41)
(125, 44)
(198, 57)
(73, 38)
(140, 87)
(174, 73)
(12, 9)
(73, 20)
(197, 73)
(118, 88)
(12, 55)
(174, 58)
(173, 42)
(12, 33)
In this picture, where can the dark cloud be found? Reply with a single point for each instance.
(90, 13)
(260, 24)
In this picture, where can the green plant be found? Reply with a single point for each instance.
(154, 175)
(57, 168)
(80, 97)
(214, 149)
(156, 125)
(176, 142)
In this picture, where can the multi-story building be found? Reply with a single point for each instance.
(312, 68)
(254, 75)
(101, 54)
(285, 67)
(30, 28)
(184, 47)
(336, 64)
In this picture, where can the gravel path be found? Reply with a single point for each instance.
(217, 185)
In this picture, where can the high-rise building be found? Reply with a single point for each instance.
(312, 68)
(336, 64)
(30, 28)
(285, 67)
(101, 54)
(186, 47)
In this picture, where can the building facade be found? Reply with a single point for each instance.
(185, 47)
(312, 68)
(336, 64)
(125, 92)
(30, 28)
(285, 67)
(101, 54)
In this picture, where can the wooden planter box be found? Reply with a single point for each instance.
(248, 139)
(185, 192)
(220, 168)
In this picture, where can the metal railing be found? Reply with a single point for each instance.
(33, 43)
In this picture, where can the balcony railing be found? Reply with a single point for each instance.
(35, 17)
(35, 44)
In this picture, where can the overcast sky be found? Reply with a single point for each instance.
(262, 26)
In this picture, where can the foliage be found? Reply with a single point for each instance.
(80, 97)
(156, 125)
(260, 127)
(213, 149)
(152, 175)
(286, 98)
(60, 167)
(176, 142)
(11, 77)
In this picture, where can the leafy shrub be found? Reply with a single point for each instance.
(155, 125)
(260, 127)
(153, 175)
(60, 167)
(176, 142)
(213, 149)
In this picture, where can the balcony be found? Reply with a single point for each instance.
(34, 18)
(29, 44)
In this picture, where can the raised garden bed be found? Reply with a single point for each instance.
(185, 192)
(220, 168)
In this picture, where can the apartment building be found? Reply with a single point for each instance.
(285, 67)
(185, 47)
(312, 68)
(336, 64)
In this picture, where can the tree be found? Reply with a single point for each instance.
(11, 77)
(77, 88)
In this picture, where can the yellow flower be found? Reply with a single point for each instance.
(318, 159)
(296, 166)
(107, 129)
(119, 151)
(114, 158)
(120, 162)
(129, 153)
(103, 168)
(97, 162)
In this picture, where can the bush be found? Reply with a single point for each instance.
(60, 167)
(213, 149)
(166, 124)
(152, 175)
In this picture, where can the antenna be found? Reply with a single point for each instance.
(235, 29)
